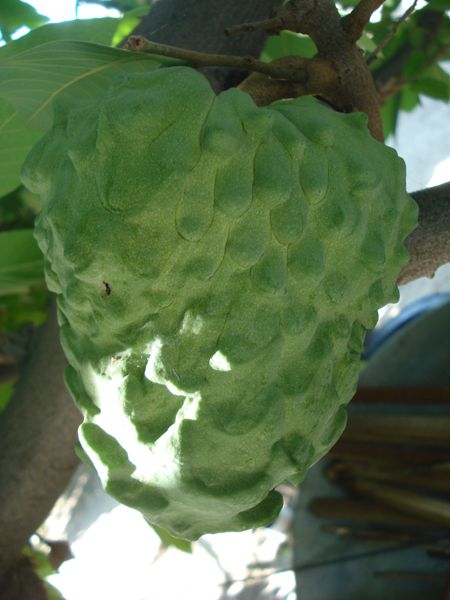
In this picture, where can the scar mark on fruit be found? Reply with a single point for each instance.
(107, 288)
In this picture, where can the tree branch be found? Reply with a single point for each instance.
(356, 21)
(270, 26)
(138, 43)
(355, 89)
(429, 244)
(37, 436)
(321, 80)
(200, 25)
(373, 55)
(389, 76)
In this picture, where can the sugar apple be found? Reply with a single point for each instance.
(217, 266)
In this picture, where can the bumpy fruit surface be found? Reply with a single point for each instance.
(217, 266)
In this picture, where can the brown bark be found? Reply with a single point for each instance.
(201, 24)
(37, 438)
(429, 244)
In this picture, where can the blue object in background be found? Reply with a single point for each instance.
(422, 306)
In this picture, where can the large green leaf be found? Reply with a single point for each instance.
(15, 14)
(75, 71)
(409, 99)
(434, 82)
(21, 261)
(99, 31)
(16, 136)
(16, 139)
(432, 87)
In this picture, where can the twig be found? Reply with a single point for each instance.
(355, 22)
(394, 86)
(373, 55)
(200, 59)
(272, 25)
(319, 20)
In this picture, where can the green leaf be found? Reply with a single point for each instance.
(414, 63)
(18, 210)
(366, 42)
(15, 14)
(437, 72)
(16, 136)
(16, 140)
(288, 43)
(6, 390)
(21, 261)
(429, 86)
(40, 561)
(409, 99)
(99, 31)
(417, 37)
(75, 71)
(20, 310)
(129, 22)
(169, 540)
(389, 114)
(438, 5)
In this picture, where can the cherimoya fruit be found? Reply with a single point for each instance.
(217, 266)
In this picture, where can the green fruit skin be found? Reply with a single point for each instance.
(217, 266)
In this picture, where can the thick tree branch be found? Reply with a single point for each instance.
(429, 244)
(37, 438)
(321, 80)
(356, 21)
(355, 89)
